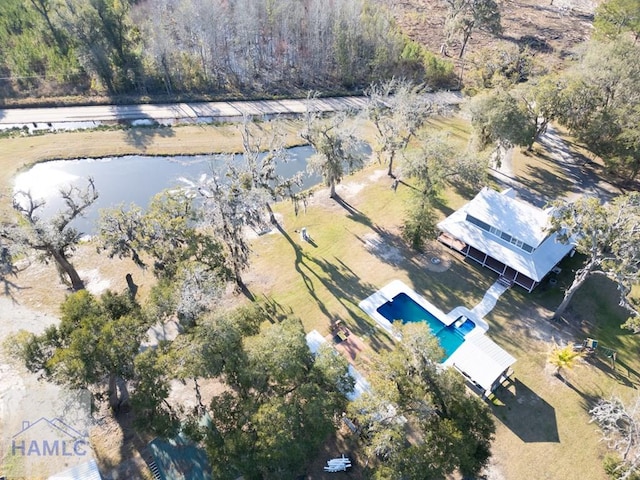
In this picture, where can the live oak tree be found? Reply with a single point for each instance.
(189, 263)
(163, 234)
(600, 102)
(419, 421)
(499, 120)
(150, 391)
(519, 116)
(543, 102)
(94, 346)
(608, 235)
(398, 109)
(263, 151)
(503, 67)
(435, 164)
(55, 238)
(335, 145)
(284, 406)
(210, 349)
(229, 205)
(277, 402)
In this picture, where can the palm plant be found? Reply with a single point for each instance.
(564, 358)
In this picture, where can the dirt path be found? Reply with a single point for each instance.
(586, 180)
(585, 175)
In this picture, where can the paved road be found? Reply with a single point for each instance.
(168, 112)
(205, 112)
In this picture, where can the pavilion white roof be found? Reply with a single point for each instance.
(481, 360)
(515, 217)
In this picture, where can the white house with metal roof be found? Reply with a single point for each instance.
(506, 235)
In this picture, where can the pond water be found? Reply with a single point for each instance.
(132, 179)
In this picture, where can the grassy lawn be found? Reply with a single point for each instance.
(543, 424)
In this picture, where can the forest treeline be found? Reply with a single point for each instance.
(201, 48)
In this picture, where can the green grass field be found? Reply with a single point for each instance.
(543, 423)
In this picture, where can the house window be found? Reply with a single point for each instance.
(479, 223)
(500, 234)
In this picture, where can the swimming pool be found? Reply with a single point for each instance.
(405, 309)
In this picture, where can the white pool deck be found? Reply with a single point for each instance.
(386, 294)
(479, 358)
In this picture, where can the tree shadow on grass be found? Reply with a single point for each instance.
(525, 413)
(341, 282)
(545, 184)
(589, 400)
(387, 246)
(348, 289)
(302, 269)
(274, 310)
(353, 213)
(141, 129)
(142, 137)
(9, 288)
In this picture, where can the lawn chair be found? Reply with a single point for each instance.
(590, 345)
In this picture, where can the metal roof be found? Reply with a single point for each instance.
(84, 471)
(482, 360)
(515, 217)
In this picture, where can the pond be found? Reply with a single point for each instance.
(133, 179)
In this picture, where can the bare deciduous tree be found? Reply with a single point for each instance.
(620, 425)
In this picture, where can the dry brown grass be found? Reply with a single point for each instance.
(551, 30)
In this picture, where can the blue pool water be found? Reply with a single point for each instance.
(405, 309)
